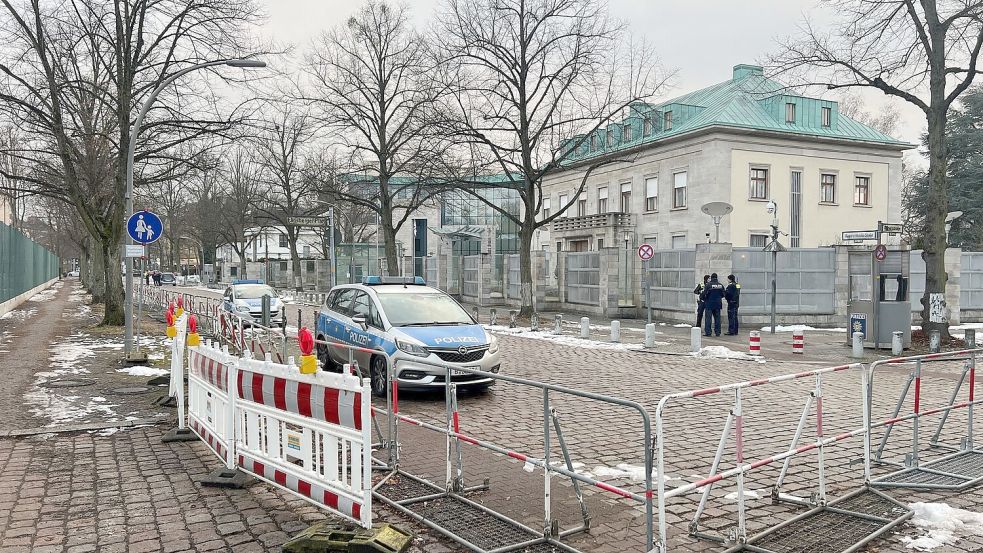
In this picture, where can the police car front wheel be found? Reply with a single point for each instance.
(378, 370)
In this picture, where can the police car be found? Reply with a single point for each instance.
(422, 329)
(245, 297)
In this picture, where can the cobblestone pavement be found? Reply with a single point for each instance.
(603, 440)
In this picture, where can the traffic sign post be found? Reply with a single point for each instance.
(645, 253)
(143, 227)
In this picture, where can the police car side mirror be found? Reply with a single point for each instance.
(360, 321)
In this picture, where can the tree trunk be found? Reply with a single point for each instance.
(242, 264)
(84, 270)
(392, 254)
(97, 269)
(295, 258)
(528, 306)
(936, 211)
(113, 298)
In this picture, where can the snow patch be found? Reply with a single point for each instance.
(19, 314)
(723, 352)
(562, 339)
(800, 328)
(626, 471)
(941, 525)
(748, 494)
(140, 370)
(44, 295)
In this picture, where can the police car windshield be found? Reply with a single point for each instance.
(253, 291)
(405, 309)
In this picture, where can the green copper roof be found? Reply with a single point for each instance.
(747, 101)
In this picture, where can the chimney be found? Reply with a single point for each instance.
(744, 70)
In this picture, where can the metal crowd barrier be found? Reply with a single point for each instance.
(959, 470)
(880, 511)
(453, 488)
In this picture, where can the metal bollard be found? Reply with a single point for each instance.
(798, 342)
(754, 343)
(534, 322)
(858, 345)
(513, 314)
(970, 338)
(650, 335)
(934, 341)
(558, 324)
(493, 317)
(897, 342)
(615, 331)
(585, 327)
(695, 339)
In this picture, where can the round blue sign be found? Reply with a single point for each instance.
(144, 227)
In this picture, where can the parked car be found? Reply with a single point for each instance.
(168, 279)
(422, 328)
(192, 280)
(245, 297)
(74, 273)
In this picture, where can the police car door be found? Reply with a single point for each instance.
(338, 323)
(372, 336)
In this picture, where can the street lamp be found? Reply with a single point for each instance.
(624, 292)
(774, 247)
(131, 149)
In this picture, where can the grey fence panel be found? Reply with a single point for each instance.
(24, 264)
(916, 280)
(514, 291)
(971, 281)
(431, 269)
(472, 277)
(805, 280)
(582, 276)
(672, 274)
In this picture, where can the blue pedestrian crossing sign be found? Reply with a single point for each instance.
(144, 227)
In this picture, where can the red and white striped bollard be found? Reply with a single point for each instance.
(754, 343)
(798, 342)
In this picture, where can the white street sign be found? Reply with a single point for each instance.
(859, 235)
(134, 250)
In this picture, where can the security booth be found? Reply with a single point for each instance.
(879, 303)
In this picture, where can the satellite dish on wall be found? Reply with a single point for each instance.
(717, 210)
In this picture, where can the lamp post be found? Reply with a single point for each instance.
(774, 247)
(624, 291)
(134, 132)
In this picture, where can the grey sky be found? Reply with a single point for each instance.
(702, 39)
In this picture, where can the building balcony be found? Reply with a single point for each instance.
(592, 222)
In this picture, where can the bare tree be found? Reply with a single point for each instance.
(169, 199)
(527, 76)
(372, 81)
(885, 120)
(74, 73)
(240, 192)
(924, 52)
(285, 191)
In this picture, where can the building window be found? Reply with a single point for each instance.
(679, 190)
(546, 208)
(600, 243)
(652, 241)
(759, 184)
(610, 140)
(667, 121)
(602, 199)
(307, 251)
(678, 241)
(861, 191)
(626, 197)
(581, 208)
(790, 112)
(795, 211)
(626, 133)
(651, 194)
(283, 240)
(758, 240)
(647, 126)
(563, 205)
(827, 189)
(827, 117)
(593, 142)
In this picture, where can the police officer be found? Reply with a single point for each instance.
(714, 294)
(701, 300)
(733, 296)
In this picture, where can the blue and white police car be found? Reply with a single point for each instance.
(245, 297)
(421, 329)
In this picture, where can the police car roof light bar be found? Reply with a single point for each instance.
(248, 281)
(377, 280)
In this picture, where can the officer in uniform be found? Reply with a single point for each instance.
(714, 302)
(733, 296)
(701, 300)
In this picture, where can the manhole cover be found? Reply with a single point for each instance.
(69, 383)
(133, 390)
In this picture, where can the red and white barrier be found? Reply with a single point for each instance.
(798, 342)
(754, 343)
(307, 433)
(210, 406)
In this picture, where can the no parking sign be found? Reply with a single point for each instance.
(645, 252)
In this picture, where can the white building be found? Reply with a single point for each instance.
(745, 141)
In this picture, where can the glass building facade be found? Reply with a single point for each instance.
(461, 209)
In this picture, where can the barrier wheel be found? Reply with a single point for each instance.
(378, 373)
